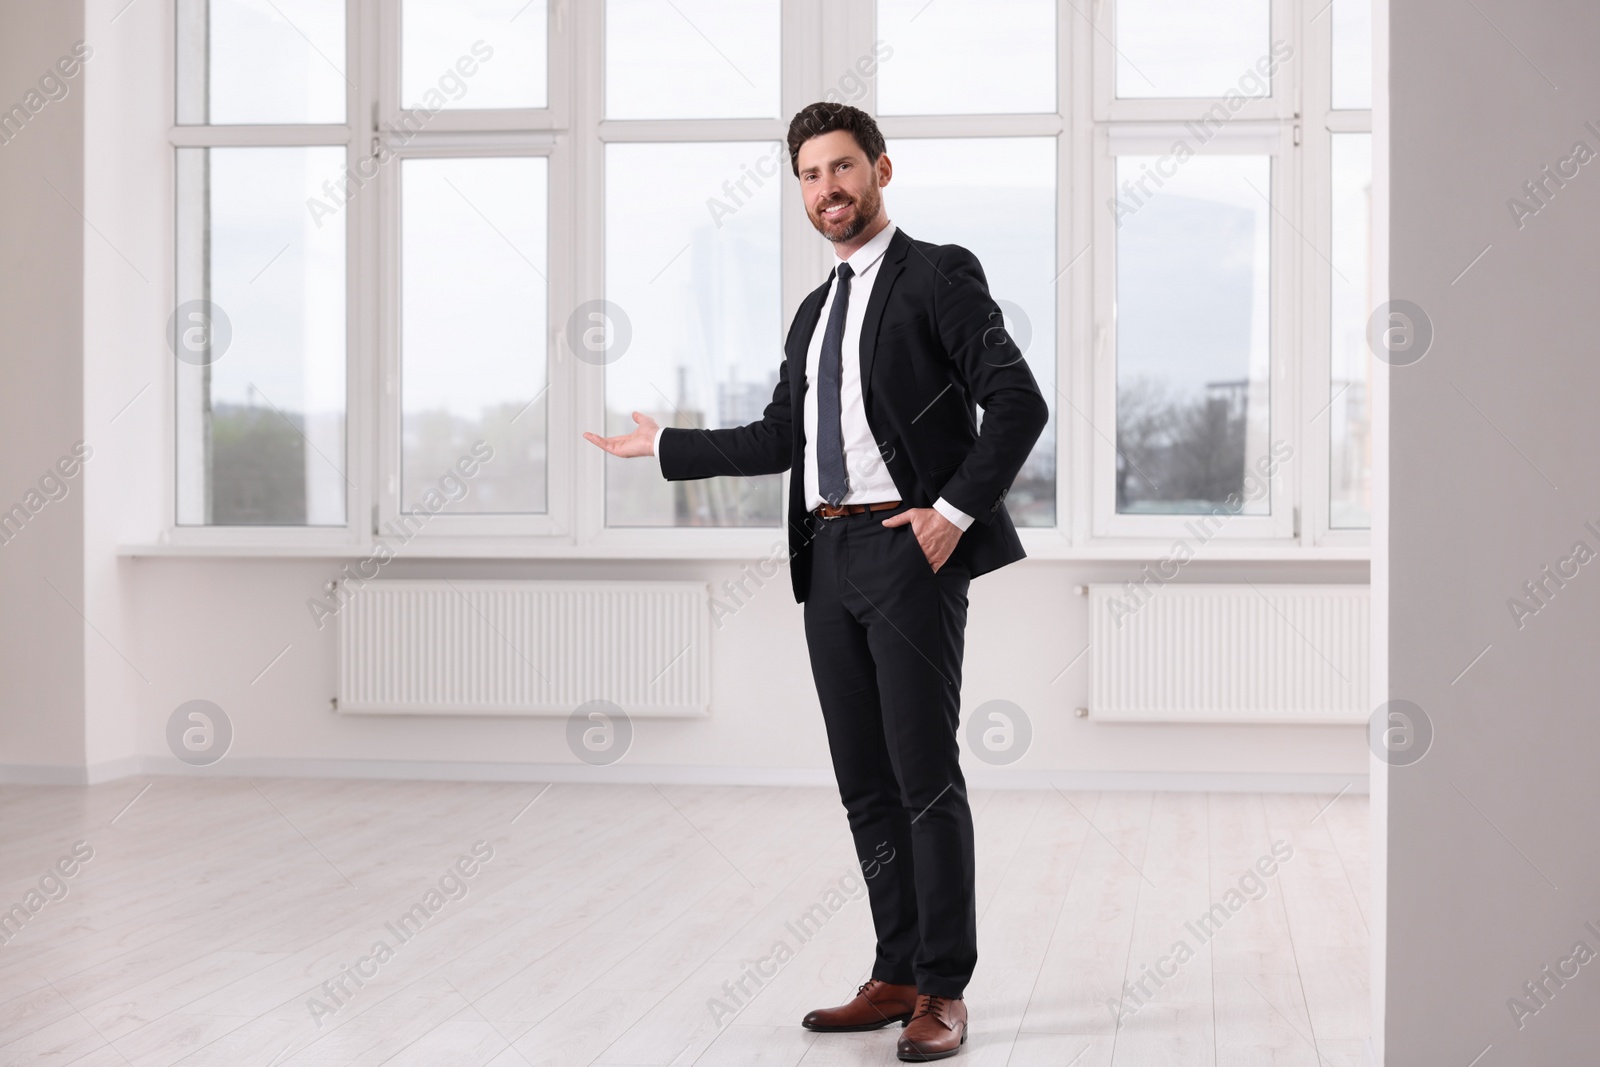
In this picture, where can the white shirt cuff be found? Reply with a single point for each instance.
(953, 513)
(655, 446)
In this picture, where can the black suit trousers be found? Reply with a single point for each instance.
(886, 635)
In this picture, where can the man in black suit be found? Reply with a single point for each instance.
(897, 501)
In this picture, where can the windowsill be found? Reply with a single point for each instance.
(760, 546)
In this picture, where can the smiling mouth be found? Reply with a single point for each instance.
(834, 212)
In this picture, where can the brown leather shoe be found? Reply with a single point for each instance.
(875, 1005)
(938, 1028)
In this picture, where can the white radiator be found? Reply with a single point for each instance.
(525, 647)
(1229, 653)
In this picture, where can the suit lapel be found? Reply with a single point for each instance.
(805, 324)
(888, 271)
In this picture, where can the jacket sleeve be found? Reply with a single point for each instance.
(996, 376)
(760, 447)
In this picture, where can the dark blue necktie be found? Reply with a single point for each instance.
(831, 478)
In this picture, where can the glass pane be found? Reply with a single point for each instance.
(700, 290)
(917, 40)
(692, 59)
(1352, 53)
(1015, 240)
(259, 336)
(1349, 388)
(1192, 338)
(1204, 48)
(261, 61)
(473, 54)
(473, 363)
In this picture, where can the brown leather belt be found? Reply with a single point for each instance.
(828, 511)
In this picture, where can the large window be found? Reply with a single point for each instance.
(1350, 297)
(991, 185)
(474, 268)
(922, 38)
(1352, 54)
(1197, 191)
(259, 324)
(1341, 151)
(1014, 237)
(692, 253)
(1193, 290)
(421, 245)
(256, 61)
(509, 36)
(701, 290)
(692, 59)
(259, 333)
(362, 317)
(1194, 50)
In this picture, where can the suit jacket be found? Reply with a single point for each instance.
(933, 350)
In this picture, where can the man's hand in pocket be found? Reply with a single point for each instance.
(936, 534)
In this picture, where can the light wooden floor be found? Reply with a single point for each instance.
(609, 917)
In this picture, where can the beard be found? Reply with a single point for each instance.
(861, 213)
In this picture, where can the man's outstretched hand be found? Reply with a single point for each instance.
(936, 534)
(641, 442)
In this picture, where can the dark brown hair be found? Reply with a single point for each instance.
(824, 116)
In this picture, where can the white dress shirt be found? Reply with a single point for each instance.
(868, 478)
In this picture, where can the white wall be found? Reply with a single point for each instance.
(1493, 861)
(180, 629)
(128, 279)
(42, 635)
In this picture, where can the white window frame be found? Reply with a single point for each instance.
(1254, 139)
(858, 38)
(1316, 343)
(295, 540)
(807, 51)
(556, 115)
(458, 134)
(447, 525)
(1284, 20)
(1300, 360)
(820, 42)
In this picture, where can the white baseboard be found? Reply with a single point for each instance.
(73, 774)
(42, 774)
(666, 774)
(112, 770)
(1168, 781)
